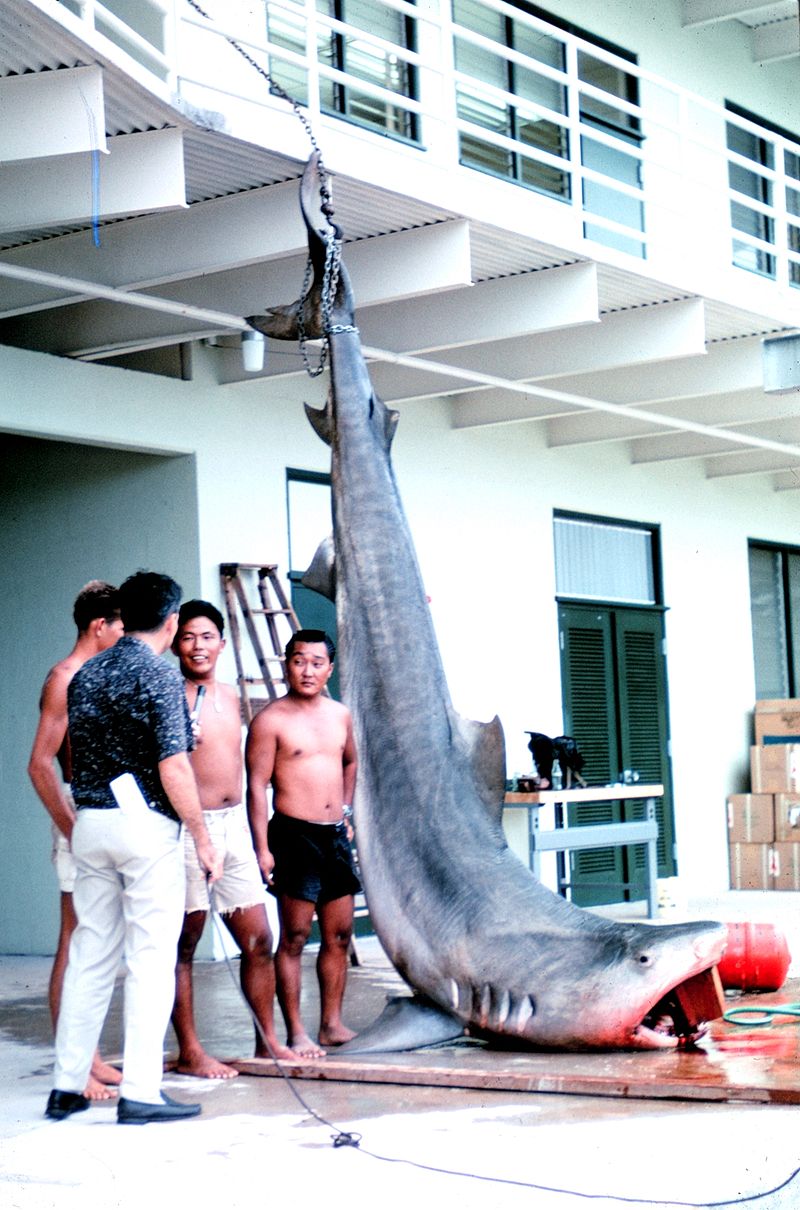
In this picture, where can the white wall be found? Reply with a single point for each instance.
(714, 61)
(68, 513)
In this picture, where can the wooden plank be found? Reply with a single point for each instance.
(685, 1076)
(759, 1065)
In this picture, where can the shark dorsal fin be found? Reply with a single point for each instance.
(384, 420)
(321, 420)
(485, 747)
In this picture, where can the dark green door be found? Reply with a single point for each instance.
(615, 705)
(315, 612)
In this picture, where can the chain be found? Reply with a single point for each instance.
(333, 243)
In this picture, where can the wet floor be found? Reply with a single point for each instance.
(425, 1143)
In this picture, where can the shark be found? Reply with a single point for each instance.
(485, 948)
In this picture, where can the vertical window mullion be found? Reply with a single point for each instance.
(788, 624)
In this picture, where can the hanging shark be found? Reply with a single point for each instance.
(483, 945)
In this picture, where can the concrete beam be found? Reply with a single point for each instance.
(52, 113)
(516, 307)
(709, 12)
(141, 172)
(209, 237)
(505, 308)
(779, 437)
(637, 336)
(726, 366)
(747, 407)
(434, 257)
(776, 41)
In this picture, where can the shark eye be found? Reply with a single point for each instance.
(645, 960)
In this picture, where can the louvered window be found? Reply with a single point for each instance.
(775, 611)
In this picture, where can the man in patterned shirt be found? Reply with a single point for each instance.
(132, 785)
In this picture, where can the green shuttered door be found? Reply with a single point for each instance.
(614, 688)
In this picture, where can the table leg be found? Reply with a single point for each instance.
(652, 866)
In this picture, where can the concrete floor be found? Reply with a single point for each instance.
(256, 1142)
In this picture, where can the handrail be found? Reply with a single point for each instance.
(676, 150)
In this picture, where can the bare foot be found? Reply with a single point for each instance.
(304, 1048)
(276, 1051)
(96, 1091)
(104, 1073)
(335, 1035)
(205, 1067)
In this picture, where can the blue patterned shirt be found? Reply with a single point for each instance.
(127, 711)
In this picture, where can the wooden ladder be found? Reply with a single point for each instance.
(244, 584)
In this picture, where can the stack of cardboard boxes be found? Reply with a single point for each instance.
(764, 826)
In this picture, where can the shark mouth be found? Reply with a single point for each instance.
(682, 1015)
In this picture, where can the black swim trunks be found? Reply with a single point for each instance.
(313, 861)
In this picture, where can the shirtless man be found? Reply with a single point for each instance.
(239, 893)
(97, 617)
(302, 744)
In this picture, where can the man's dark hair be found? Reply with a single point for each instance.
(147, 599)
(201, 609)
(311, 636)
(97, 599)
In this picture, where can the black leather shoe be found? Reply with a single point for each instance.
(139, 1112)
(62, 1104)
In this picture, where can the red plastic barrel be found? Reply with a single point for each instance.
(757, 957)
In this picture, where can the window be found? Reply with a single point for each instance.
(769, 179)
(598, 560)
(775, 609)
(503, 89)
(526, 123)
(360, 58)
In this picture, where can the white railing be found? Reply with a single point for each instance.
(147, 40)
(642, 165)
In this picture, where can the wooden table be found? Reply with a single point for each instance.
(564, 839)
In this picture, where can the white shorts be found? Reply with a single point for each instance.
(241, 884)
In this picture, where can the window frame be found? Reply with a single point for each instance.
(791, 630)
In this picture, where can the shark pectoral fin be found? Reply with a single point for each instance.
(486, 751)
(406, 1023)
(321, 573)
(321, 421)
(279, 322)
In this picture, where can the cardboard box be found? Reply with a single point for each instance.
(751, 867)
(786, 867)
(751, 819)
(777, 720)
(775, 768)
(787, 817)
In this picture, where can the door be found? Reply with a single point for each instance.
(315, 612)
(615, 705)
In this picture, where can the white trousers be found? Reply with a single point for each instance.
(129, 898)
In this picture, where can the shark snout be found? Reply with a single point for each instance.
(710, 945)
